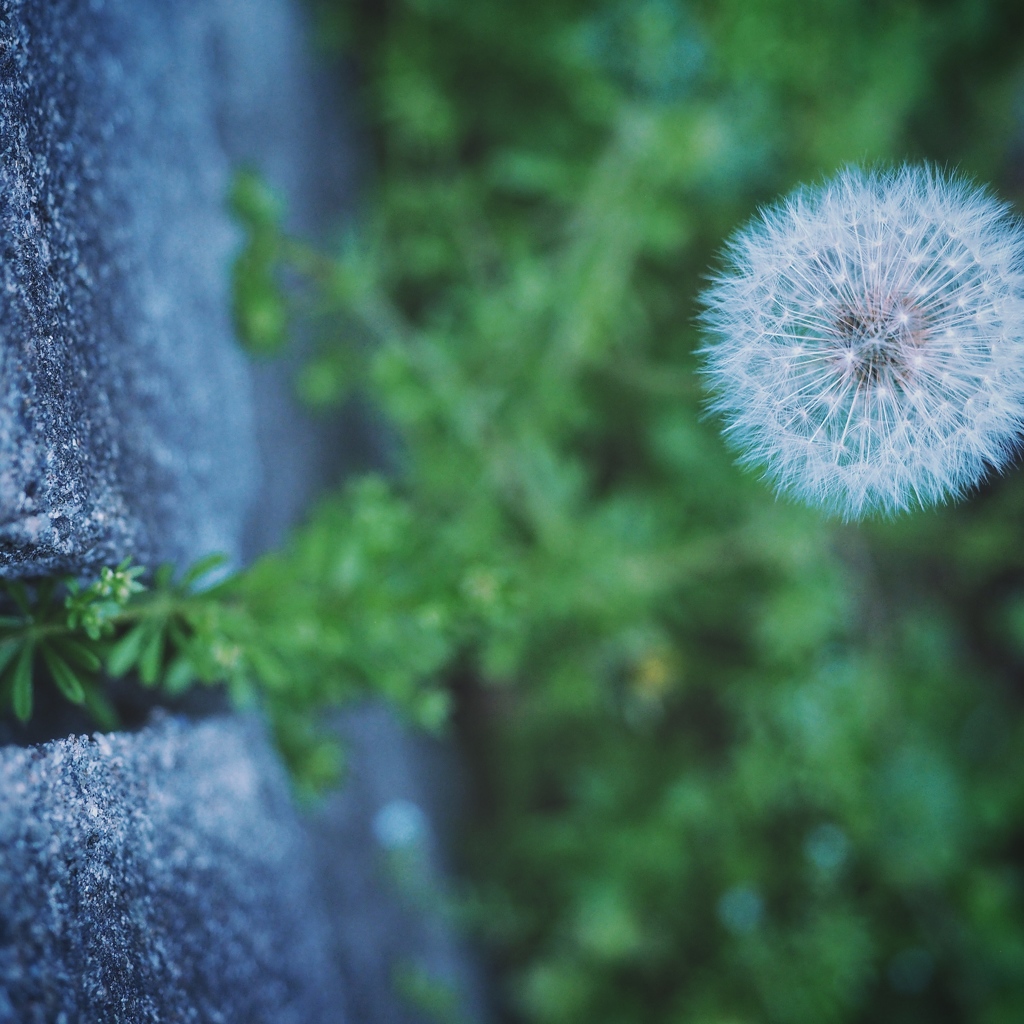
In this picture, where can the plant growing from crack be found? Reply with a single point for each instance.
(172, 632)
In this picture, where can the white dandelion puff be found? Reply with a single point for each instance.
(867, 339)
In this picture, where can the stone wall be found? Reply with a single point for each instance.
(164, 875)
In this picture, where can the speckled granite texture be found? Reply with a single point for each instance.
(126, 407)
(125, 422)
(158, 876)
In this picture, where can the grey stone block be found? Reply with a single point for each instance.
(126, 408)
(125, 421)
(158, 876)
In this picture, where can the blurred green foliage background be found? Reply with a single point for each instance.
(732, 762)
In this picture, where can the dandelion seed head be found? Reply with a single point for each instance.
(866, 340)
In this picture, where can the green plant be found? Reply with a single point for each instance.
(731, 763)
(302, 631)
(65, 633)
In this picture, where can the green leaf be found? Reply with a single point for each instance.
(177, 633)
(79, 654)
(8, 649)
(253, 201)
(21, 694)
(202, 568)
(151, 659)
(164, 576)
(241, 691)
(433, 710)
(268, 669)
(64, 676)
(263, 320)
(125, 652)
(179, 676)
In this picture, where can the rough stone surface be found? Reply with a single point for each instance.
(126, 411)
(159, 876)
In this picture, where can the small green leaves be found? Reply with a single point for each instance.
(111, 626)
(199, 571)
(77, 653)
(94, 608)
(260, 307)
(8, 649)
(21, 693)
(180, 676)
(64, 676)
(151, 658)
(61, 622)
(254, 203)
(125, 653)
(141, 648)
(298, 632)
